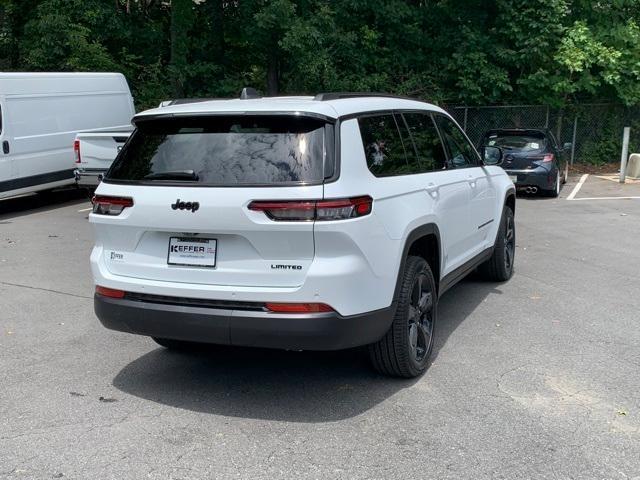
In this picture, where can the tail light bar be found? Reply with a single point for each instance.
(298, 307)
(107, 205)
(308, 210)
(76, 150)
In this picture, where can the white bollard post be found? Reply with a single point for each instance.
(625, 154)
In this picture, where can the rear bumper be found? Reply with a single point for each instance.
(89, 177)
(314, 331)
(540, 177)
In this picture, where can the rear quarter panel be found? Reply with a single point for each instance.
(375, 242)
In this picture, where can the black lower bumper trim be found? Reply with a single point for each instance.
(313, 331)
(534, 178)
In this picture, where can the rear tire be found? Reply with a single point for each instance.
(405, 349)
(555, 192)
(177, 345)
(499, 268)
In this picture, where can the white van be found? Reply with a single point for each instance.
(40, 115)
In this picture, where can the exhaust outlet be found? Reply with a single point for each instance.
(534, 189)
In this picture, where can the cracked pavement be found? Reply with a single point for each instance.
(536, 378)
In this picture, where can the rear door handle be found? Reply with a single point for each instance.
(5, 147)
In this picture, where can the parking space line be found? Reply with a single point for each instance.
(577, 188)
(85, 209)
(606, 198)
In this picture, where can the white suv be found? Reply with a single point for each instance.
(301, 223)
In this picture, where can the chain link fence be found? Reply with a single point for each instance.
(594, 130)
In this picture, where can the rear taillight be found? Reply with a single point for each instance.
(307, 210)
(109, 292)
(106, 205)
(76, 150)
(298, 307)
(548, 158)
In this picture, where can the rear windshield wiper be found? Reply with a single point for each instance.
(173, 175)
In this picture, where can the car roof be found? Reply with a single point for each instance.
(333, 108)
(516, 131)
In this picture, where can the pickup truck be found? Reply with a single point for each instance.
(94, 152)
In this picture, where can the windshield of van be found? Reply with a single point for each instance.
(224, 150)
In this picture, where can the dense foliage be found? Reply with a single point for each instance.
(554, 52)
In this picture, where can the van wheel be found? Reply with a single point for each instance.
(499, 268)
(172, 344)
(405, 349)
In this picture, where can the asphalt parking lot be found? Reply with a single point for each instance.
(535, 378)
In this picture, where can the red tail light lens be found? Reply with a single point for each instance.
(76, 150)
(298, 307)
(548, 158)
(307, 210)
(344, 208)
(106, 205)
(109, 292)
(286, 211)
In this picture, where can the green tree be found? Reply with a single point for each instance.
(555, 52)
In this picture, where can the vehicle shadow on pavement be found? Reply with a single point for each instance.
(457, 304)
(42, 202)
(533, 196)
(306, 387)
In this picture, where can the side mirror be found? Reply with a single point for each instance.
(491, 155)
(567, 146)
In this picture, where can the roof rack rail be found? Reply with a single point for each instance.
(323, 97)
(182, 101)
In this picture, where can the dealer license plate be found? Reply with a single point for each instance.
(192, 252)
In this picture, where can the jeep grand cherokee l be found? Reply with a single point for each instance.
(302, 223)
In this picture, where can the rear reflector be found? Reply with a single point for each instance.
(109, 292)
(298, 307)
(106, 205)
(76, 150)
(308, 210)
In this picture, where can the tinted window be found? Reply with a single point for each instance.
(461, 152)
(240, 150)
(383, 146)
(520, 142)
(427, 141)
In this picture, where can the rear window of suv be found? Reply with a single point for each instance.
(224, 151)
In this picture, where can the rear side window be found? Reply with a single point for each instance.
(461, 152)
(383, 147)
(515, 141)
(225, 151)
(427, 141)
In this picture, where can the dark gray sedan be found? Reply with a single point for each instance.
(532, 158)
